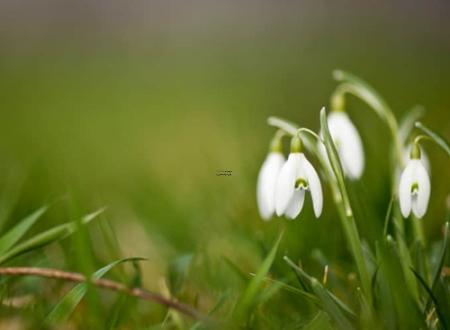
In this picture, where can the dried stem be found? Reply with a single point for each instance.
(103, 283)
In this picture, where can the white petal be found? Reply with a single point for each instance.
(314, 186)
(348, 143)
(267, 179)
(295, 204)
(404, 189)
(420, 202)
(285, 186)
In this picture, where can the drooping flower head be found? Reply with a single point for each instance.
(414, 187)
(267, 179)
(348, 143)
(295, 178)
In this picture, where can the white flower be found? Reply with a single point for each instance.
(267, 178)
(414, 189)
(296, 176)
(348, 144)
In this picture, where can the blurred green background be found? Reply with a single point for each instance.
(136, 105)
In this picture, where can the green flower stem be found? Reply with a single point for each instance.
(406, 261)
(439, 140)
(344, 207)
(276, 144)
(359, 88)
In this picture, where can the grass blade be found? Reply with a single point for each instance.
(15, 234)
(432, 297)
(248, 299)
(330, 306)
(47, 237)
(69, 302)
(308, 280)
(320, 321)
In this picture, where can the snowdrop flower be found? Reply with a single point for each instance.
(265, 188)
(414, 187)
(348, 144)
(297, 176)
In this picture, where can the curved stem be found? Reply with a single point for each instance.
(376, 103)
(283, 124)
(310, 132)
(103, 283)
(440, 141)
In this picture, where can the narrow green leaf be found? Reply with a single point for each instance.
(248, 299)
(445, 246)
(329, 305)
(435, 136)
(391, 277)
(308, 280)
(62, 311)
(47, 237)
(432, 297)
(321, 321)
(388, 216)
(294, 290)
(241, 274)
(16, 233)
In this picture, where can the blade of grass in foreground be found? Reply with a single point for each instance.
(320, 322)
(47, 237)
(432, 297)
(248, 299)
(15, 234)
(327, 301)
(69, 302)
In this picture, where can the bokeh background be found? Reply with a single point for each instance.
(135, 105)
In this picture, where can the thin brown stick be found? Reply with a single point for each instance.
(103, 283)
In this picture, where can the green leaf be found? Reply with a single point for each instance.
(248, 299)
(440, 141)
(16, 233)
(321, 321)
(235, 268)
(445, 246)
(432, 297)
(62, 311)
(329, 305)
(47, 237)
(404, 313)
(178, 272)
(308, 280)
